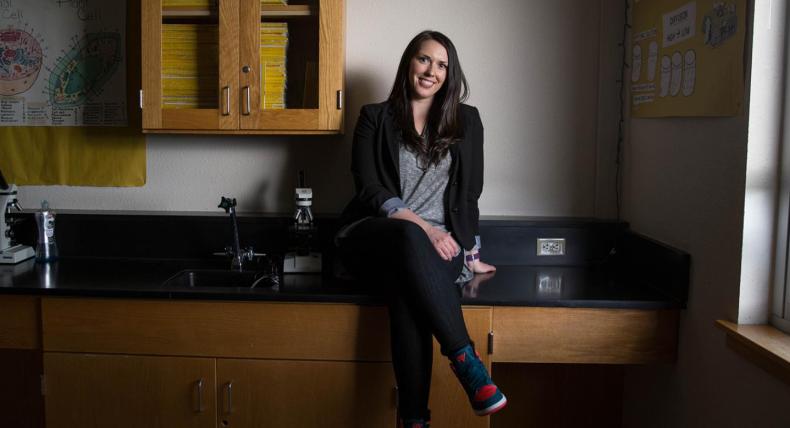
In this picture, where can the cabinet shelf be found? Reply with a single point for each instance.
(273, 10)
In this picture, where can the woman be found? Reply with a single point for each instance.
(417, 162)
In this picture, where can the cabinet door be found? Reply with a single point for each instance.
(189, 61)
(291, 65)
(286, 394)
(128, 391)
(448, 403)
(20, 388)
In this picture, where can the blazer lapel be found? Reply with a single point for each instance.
(393, 140)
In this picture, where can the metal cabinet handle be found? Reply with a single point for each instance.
(199, 386)
(246, 101)
(229, 388)
(226, 107)
(397, 398)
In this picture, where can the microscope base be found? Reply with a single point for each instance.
(294, 263)
(16, 254)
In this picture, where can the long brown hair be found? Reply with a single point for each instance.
(443, 122)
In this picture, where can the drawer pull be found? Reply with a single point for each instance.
(229, 392)
(199, 385)
(226, 107)
(247, 101)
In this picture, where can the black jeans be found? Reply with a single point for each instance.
(424, 300)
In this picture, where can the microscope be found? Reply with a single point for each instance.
(10, 252)
(303, 258)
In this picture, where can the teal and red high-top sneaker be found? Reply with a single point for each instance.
(484, 396)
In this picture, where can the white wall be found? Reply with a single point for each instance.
(685, 185)
(533, 67)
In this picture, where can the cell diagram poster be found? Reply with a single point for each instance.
(686, 58)
(62, 63)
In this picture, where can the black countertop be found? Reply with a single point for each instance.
(538, 286)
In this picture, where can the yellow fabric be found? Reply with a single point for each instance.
(75, 156)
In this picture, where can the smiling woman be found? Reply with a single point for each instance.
(417, 161)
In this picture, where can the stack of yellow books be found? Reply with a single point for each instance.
(274, 1)
(274, 47)
(190, 65)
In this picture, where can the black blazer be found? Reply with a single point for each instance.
(375, 167)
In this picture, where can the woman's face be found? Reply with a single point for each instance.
(428, 70)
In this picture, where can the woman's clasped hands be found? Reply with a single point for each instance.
(443, 242)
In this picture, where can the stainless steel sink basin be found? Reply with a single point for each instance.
(194, 278)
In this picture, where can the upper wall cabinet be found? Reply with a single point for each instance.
(243, 66)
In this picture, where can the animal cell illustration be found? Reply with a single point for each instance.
(20, 61)
(80, 74)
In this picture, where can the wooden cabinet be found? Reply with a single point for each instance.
(129, 391)
(135, 362)
(448, 403)
(141, 362)
(285, 393)
(243, 67)
(20, 362)
(275, 364)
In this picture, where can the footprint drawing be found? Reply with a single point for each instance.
(689, 72)
(677, 73)
(666, 71)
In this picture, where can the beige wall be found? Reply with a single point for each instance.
(685, 185)
(533, 67)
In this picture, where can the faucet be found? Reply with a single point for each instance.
(237, 254)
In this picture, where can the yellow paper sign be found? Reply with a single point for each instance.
(686, 58)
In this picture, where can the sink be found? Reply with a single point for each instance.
(194, 278)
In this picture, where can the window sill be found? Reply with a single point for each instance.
(763, 344)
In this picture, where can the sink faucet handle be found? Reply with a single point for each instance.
(227, 204)
(248, 253)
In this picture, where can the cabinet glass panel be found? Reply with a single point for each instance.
(190, 54)
(288, 54)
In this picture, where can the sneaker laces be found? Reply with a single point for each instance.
(474, 375)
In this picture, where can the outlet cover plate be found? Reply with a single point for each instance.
(551, 246)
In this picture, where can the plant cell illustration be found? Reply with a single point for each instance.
(80, 74)
(20, 61)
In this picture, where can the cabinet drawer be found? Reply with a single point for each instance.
(581, 335)
(342, 332)
(19, 324)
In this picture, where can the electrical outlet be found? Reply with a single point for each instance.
(551, 246)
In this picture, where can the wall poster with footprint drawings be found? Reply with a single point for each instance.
(686, 58)
(62, 63)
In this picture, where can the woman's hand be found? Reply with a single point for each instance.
(443, 242)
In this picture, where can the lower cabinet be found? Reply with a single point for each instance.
(128, 391)
(138, 391)
(20, 361)
(135, 363)
(448, 402)
(330, 394)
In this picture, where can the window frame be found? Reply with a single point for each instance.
(780, 311)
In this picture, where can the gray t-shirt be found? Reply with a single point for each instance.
(422, 190)
(422, 187)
